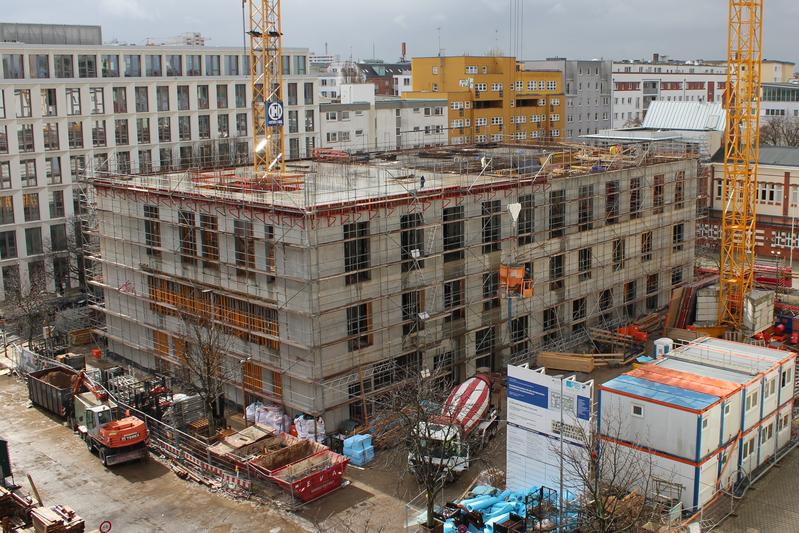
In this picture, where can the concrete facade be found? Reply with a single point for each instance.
(364, 274)
(124, 109)
(587, 87)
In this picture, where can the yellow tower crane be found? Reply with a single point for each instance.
(266, 78)
(739, 192)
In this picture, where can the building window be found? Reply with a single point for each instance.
(6, 209)
(356, 252)
(58, 237)
(97, 100)
(585, 209)
(49, 104)
(612, 202)
(25, 138)
(411, 241)
(30, 206)
(292, 94)
(241, 95)
(98, 133)
(244, 248)
(557, 213)
(119, 96)
(121, 131)
(484, 343)
(519, 328)
(27, 172)
(109, 64)
(490, 290)
(646, 246)
(550, 319)
(556, 272)
(453, 233)
(152, 231)
(359, 318)
(618, 254)
(676, 275)
(87, 66)
(50, 134)
(184, 128)
(584, 263)
(679, 190)
(635, 198)
(221, 96)
(5, 175)
(204, 126)
(203, 101)
(152, 65)
(132, 66)
(492, 226)
(23, 98)
(658, 195)
(652, 285)
(412, 306)
(8, 250)
(453, 299)
(578, 309)
(231, 65)
(188, 240)
(677, 237)
(526, 222)
(63, 66)
(174, 65)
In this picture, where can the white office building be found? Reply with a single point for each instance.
(363, 122)
(129, 109)
(636, 84)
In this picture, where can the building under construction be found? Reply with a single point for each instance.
(343, 277)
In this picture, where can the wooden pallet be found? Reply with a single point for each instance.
(578, 362)
(612, 338)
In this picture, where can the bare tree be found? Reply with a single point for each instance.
(205, 361)
(633, 123)
(431, 442)
(780, 131)
(28, 308)
(615, 480)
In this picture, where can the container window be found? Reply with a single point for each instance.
(638, 410)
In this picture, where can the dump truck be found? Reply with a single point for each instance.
(466, 423)
(115, 440)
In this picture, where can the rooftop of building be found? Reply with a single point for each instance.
(660, 393)
(382, 178)
(777, 156)
(691, 116)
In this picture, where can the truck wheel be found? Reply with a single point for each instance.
(102, 457)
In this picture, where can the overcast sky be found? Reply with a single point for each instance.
(584, 29)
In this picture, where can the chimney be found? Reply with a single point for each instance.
(404, 51)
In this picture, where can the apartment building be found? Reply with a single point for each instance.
(492, 99)
(636, 84)
(364, 122)
(777, 232)
(779, 101)
(331, 292)
(127, 109)
(587, 86)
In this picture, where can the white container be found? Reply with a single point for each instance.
(663, 347)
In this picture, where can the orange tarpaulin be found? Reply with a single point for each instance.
(686, 380)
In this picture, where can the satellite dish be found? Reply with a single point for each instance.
(514, 210)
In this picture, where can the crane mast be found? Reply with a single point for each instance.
(266, 79)
(739, 190)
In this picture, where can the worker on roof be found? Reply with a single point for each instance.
(421, 182)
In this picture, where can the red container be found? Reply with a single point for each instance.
(312, 477)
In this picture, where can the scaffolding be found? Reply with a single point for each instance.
(373, 268)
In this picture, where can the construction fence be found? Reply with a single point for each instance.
(188, 456)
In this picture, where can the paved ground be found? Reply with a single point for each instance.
(135, 497)
(772, 504)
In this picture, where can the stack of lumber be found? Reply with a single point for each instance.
(650, 323)
(612, 338)
(59, 519)
(14, 507)
(682, 302)
(578, 362)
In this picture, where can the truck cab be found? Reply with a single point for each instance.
(97, 417)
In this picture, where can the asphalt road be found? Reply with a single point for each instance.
(134, 497)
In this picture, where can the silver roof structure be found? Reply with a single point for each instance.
(704, 370)
(690, 116)
(730, 355)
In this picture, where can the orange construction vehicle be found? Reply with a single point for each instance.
(115, 441)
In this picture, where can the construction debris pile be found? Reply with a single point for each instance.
(19, 514)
